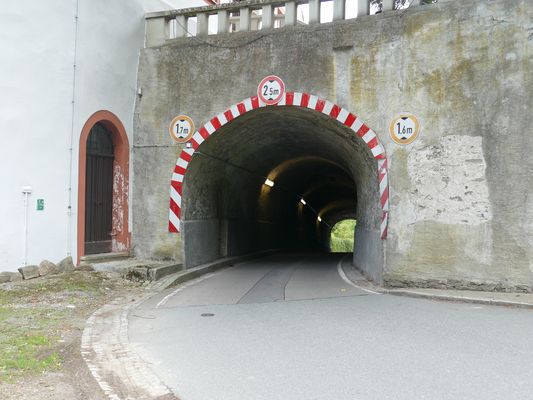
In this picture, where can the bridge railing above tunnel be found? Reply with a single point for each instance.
(252, 15)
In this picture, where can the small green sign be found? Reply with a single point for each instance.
(40, 204)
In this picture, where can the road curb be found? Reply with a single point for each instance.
(414, 293)
(200, 270)
(454, 298)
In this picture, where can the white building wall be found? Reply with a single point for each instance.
(37, 39)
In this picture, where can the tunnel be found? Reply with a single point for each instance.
(279, 178)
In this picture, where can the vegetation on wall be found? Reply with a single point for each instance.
(342, 236)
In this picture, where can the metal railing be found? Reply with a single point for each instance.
(245, 16)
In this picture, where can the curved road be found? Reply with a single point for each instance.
(288, 327)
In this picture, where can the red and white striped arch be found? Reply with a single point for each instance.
(289, 99)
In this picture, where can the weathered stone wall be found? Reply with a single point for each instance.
(461, 212)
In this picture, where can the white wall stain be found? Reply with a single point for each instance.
(448, 182)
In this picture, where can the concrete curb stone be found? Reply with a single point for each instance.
(483, 298)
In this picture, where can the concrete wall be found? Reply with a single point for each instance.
(461, 210)
(36, 127)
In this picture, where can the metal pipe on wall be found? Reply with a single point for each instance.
(71, 142)
(26, 191)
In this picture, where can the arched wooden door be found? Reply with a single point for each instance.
(99, 191)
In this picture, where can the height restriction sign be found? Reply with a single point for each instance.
(271, 90)
(181, 128)
(404, 128)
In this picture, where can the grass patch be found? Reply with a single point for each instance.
(34, 315)
(27, 341)
(27, 354)
(342, 236)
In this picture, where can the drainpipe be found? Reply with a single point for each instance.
(26, 191)
(71, 144)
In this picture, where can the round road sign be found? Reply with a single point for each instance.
(404, 128)
(181, 128)
(271, 90)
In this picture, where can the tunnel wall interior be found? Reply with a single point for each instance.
(228, 210)
(461, 210)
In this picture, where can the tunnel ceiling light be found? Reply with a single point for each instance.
(268, 182)
(303, 201)
(319, 219)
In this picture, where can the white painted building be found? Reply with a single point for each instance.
(65, 65)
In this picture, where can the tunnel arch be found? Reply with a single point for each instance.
(294, 101)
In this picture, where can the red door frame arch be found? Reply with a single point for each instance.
(296, 99)
(121, 234)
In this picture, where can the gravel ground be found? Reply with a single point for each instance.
(41, 323)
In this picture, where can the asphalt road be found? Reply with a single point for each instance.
(288, 327)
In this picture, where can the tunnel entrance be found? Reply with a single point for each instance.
(279, 177)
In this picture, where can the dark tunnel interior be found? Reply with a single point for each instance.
(244, 186)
